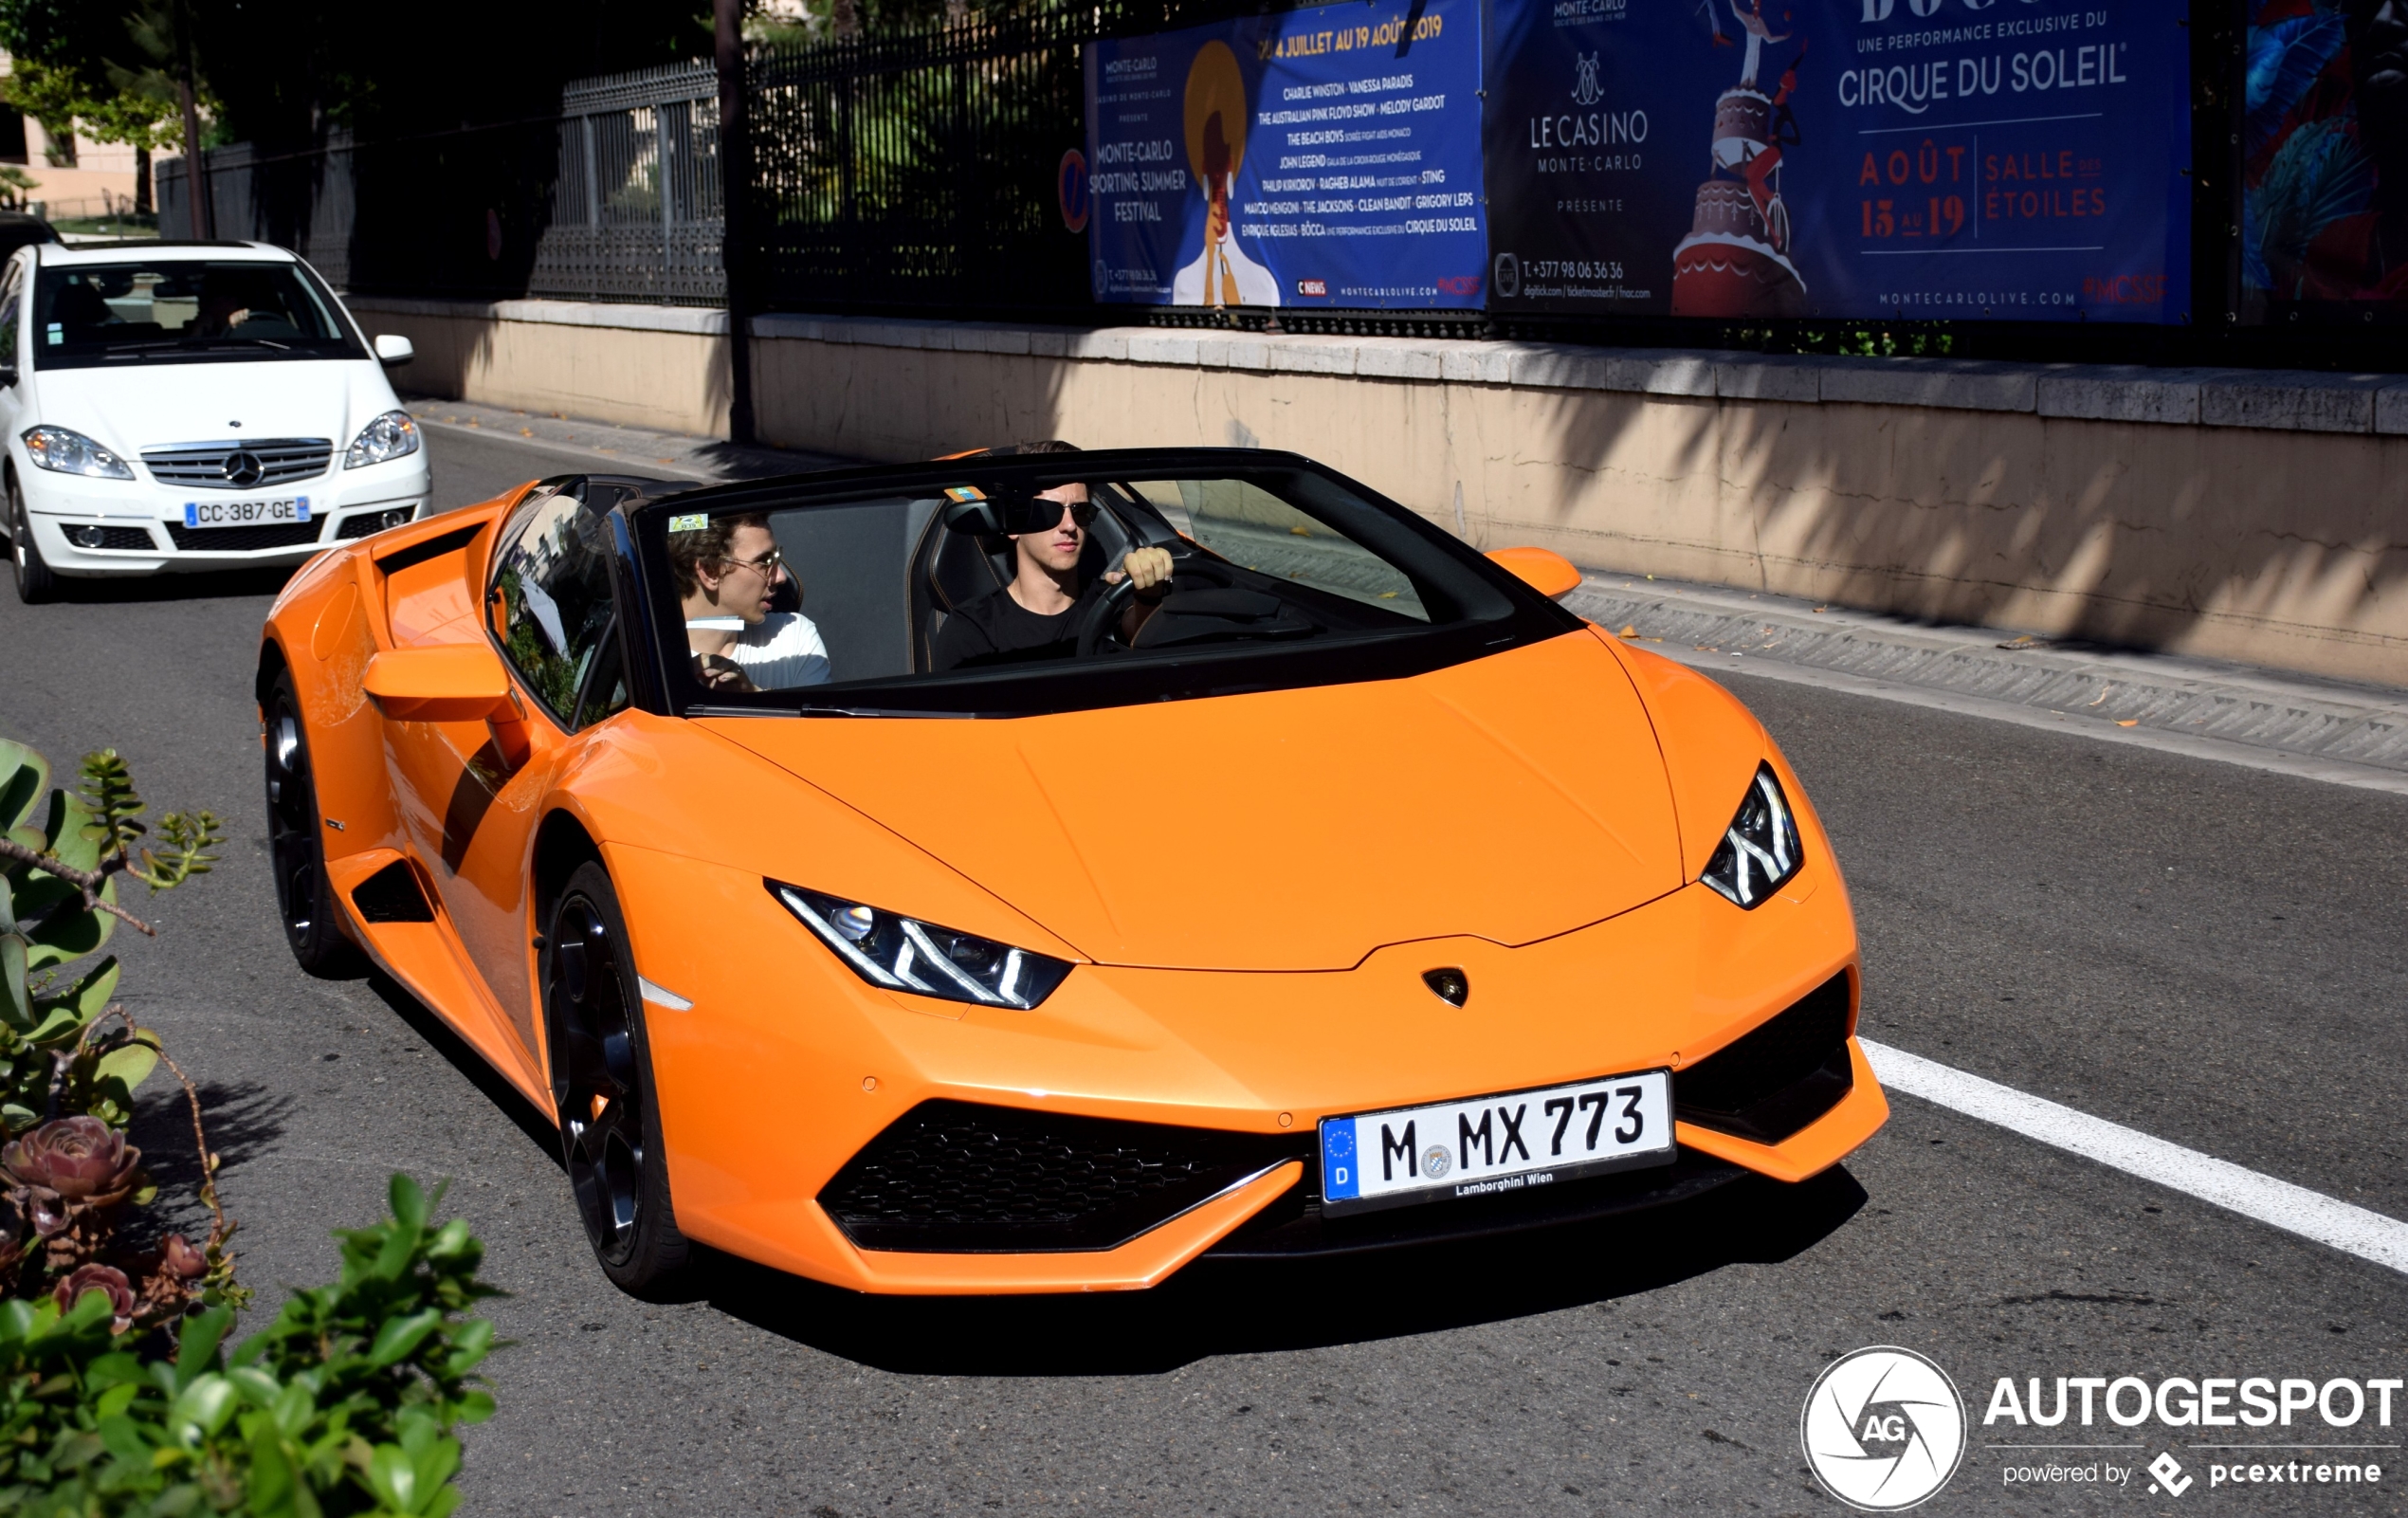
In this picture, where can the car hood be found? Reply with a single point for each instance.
(145, 406)
(1511, 798)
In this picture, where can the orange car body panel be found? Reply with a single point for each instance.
(1495, 817)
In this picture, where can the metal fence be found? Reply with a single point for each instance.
(615, 196)
(917, 172)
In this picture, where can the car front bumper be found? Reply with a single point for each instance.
(90, 528)
(832, 1065)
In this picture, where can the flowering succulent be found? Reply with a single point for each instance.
(106, 1278)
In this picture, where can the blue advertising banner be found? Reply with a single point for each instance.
(1322, 157)
(1944, 159)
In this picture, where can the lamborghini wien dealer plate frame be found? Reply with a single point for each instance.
(1483, 1145)
(245, 513)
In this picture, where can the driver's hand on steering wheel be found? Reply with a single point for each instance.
(1150, 569)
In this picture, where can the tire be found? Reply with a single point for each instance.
(603, 1093)
(36, 581)
(296, 845)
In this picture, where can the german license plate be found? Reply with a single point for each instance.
(245, 513)
(1485, 1145)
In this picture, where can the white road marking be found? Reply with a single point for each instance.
(2369, 1235)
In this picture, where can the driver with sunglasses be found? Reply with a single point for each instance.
(727, 573)
(1038, 615)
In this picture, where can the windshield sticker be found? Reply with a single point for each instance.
(695, 522)
(965, 492)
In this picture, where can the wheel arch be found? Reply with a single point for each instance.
(561, 844)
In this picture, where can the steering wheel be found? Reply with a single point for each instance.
(1095, 632)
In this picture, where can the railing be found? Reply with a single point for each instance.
(614, 196)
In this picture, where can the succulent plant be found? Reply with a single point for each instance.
(106, 1278)
(69, 1165)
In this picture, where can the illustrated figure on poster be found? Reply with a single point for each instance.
(1221, 274)
(2327, 163)
(1736, 259)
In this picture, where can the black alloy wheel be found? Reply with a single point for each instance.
(295, 845)
(36, 581)
(602, 1087)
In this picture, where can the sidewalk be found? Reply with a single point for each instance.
(630, 449)
(2294, 724)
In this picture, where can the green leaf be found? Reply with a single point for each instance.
(408, 1203)
(73, 835)
(197, 1348)
(25, 778)
(273, 1480)
(475, 1407)
(15, 1004)
(124, 1439)
(129, 1063)
(91, 1307)
(394, 1477)
(400, 1337)
(200, 1408)
(87, 997)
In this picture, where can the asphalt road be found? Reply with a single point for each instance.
(2208, 953)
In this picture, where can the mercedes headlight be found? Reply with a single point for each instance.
(55, 448)
(1759, 850)
(904, 954)
(391, 436)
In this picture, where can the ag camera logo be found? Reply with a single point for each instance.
(1883, 1429)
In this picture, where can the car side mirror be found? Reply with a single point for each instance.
(454, 682)
(393, 352)
(8, 377)
(1550, 574)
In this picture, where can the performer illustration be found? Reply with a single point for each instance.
(1221, 274)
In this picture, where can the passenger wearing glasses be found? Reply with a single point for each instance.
(1038, 615)
(727, 572)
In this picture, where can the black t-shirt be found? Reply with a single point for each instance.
(995, 628)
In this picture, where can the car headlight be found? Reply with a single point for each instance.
(904, 954)
(56, 448)
(391, 436)
(1759, 848)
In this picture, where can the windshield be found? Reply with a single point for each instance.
(89, 314)
(1062, 582)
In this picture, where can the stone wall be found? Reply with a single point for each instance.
(2256, 517)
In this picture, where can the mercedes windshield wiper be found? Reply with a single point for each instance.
(178, 346)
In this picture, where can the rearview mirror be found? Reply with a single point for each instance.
(456, 683)
(393, 352)
(1550, 574)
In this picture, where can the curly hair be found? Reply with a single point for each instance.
(689, 551)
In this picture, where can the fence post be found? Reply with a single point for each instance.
(735, 229)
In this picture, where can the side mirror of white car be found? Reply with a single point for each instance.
(393, 352)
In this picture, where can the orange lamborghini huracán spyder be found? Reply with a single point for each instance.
(1311, 883)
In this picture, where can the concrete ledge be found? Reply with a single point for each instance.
(2249, 517)
(2272, 400)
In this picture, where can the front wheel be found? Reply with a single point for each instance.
(36, 581)
(602, 1088)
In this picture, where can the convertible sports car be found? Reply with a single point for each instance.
(1341, 892)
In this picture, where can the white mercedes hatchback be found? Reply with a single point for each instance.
(191, 406)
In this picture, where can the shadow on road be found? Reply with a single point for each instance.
(1215, 1308)
(464, 1058)
(220, 585)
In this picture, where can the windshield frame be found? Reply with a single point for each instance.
(1524, 615)
(346, 345)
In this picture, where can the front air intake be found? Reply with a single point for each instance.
(1778, 1077)
(963, 1178)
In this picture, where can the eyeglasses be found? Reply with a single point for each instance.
(1082, 513)
(769, 564)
